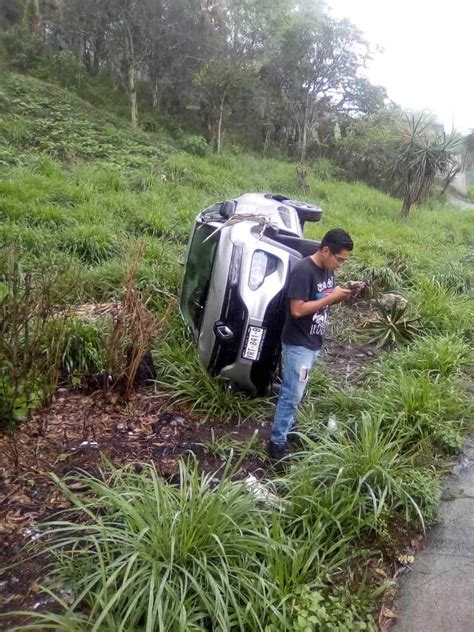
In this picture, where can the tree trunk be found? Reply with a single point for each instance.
(97, 53)
(406, 206)
(219, 125)
(35, 22)
(132, 89)
(450, 177)
(304, 140)
(155, 95)
(267, 140)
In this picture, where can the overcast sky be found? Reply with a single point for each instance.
(427, 60)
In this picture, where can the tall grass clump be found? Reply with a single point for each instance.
(141, 554)
(443, 311)
(92, 244)
(187, 382)
(433, 409)
(83, 349)
(359, 474)
(444, 355)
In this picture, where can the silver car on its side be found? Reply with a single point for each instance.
(239, 257)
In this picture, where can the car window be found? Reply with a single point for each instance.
(197, 274)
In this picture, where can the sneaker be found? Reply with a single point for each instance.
(295, 438)
(276, 450)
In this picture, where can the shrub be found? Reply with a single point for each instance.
(28, 307)
(195, 145)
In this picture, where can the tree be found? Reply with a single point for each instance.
(314, 72)
(422, 154)
(220, 81)
(366, 149)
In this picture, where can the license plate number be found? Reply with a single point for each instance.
(253, 343)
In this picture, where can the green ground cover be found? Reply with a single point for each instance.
(80, 194)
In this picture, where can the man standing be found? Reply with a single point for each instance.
(311, 290)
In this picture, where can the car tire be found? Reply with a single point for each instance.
(298, 205)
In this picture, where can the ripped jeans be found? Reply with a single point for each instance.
(297, 362)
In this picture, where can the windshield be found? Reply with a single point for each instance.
(197, 275)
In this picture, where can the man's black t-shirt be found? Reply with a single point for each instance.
(308, 282)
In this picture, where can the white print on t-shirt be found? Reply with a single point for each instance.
(325, 285)
(318, 326)
(319, 323)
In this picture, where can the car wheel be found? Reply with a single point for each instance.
(302, 206)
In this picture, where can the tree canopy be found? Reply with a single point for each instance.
(273, 73)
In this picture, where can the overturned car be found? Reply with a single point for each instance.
(239, 257)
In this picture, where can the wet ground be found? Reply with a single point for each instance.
(438, 594)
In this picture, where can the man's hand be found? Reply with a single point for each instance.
(356, 287)
(308, 308)
(339, 294)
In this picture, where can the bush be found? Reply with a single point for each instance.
(29, 306)
(195, 145)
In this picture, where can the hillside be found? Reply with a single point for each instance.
(86, 199)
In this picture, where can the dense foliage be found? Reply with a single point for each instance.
(274, 75)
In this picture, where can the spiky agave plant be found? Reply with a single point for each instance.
(391, 326)
(422, 154)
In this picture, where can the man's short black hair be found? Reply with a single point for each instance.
(337, 240)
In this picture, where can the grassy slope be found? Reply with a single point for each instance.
(82, 189)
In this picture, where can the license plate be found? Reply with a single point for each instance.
(253, 343)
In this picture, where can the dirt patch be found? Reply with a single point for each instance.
(347, 361)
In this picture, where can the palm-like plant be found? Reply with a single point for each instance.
(422, 154)
(391, 326)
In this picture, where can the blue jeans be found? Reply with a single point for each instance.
(297, 362)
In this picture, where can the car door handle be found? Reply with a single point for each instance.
(223, 332)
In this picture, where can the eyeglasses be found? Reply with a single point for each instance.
(338, 258)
